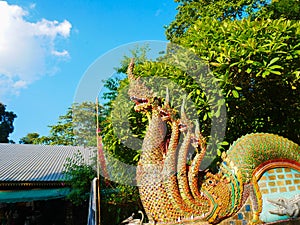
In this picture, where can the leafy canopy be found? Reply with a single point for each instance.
(6, 123)
(76, 127)
(190, 11)
(289, 9)
(257, 64)
(79, 177)
(254, 60)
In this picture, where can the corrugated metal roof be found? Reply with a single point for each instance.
(37, 163)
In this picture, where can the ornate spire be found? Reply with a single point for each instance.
(130, 70)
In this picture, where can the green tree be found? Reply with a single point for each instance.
(6, 123)
(29, 138)
(84, 123)
(76, 127)
(253, 59)
(289, 9)
(114, 134)
(190, 11)
(79, 177)
(257, 64)
(61, 133)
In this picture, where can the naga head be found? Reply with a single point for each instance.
(185, 124)
(167, 113)
(198, 140)
(139, 93)
(145, 99)
(170, 114)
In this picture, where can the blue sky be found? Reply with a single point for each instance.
(46, 47)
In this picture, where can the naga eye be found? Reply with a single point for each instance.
(211, 182)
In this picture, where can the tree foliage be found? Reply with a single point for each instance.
(79, 176)
(115, 129)
(30, 138)
(6, 123)
(289, 9)
(254, 62)
(76, 127)
(257, 64)
(190, 11)
(253, 58)
(84, 123)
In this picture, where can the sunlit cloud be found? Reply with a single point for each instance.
(25, 46)
(63, 53)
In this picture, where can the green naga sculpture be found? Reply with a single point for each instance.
(174, 193)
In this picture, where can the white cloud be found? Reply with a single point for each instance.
(52, 28)
(20, 84)
(64, 53)
(25, 46)
(32, 5)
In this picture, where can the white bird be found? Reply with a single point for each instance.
(131, 221)
(130, 218)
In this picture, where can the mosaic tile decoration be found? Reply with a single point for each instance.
(279, 180)
(242, 217)
(274, 183)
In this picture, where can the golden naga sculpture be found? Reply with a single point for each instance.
(260, 167)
